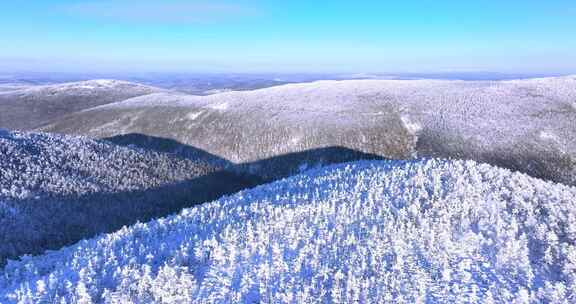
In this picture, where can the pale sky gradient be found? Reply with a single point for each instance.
(288, 36)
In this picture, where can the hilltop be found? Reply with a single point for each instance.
(524, 125)
(30, 107)
(56, 190)
(380, 231)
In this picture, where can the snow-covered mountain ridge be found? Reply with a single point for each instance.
(28, 108)
(56, 190)
(525, 125)
(382, 231)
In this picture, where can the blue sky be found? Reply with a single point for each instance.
(289, 36)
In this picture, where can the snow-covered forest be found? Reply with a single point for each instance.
(298, 152)
(356, 191)
(524, 125)
(369, 232)
(32, 107)
(56, 190)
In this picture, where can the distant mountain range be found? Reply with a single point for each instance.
(210, 83)
(525, 125)
(30, 107)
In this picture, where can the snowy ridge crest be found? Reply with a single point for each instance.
(495, 122)
(56, 190)
(32, 107)
(373, 232)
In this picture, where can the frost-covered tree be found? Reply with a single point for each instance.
(373, 232)
(524, 125)
(56, 190)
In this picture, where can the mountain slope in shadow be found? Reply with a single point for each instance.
(432, 231)
(56, 190)
(268, 169)
(525, 125)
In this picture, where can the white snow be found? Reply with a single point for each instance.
(163, 99)
(498, 122)
(32, 107)
(88, 85)
(106, 82)
(368, 232)
(547, 135)
(412, 126)
(295, 140)
(58, 189)
(195, 115)
(222, 106)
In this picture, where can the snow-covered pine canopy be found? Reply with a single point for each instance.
(370, 232)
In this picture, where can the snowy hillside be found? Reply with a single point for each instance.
(525, 125)
(55, 190)
(5, 87)
(28, 108)
(368, 232)
(247, 127)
